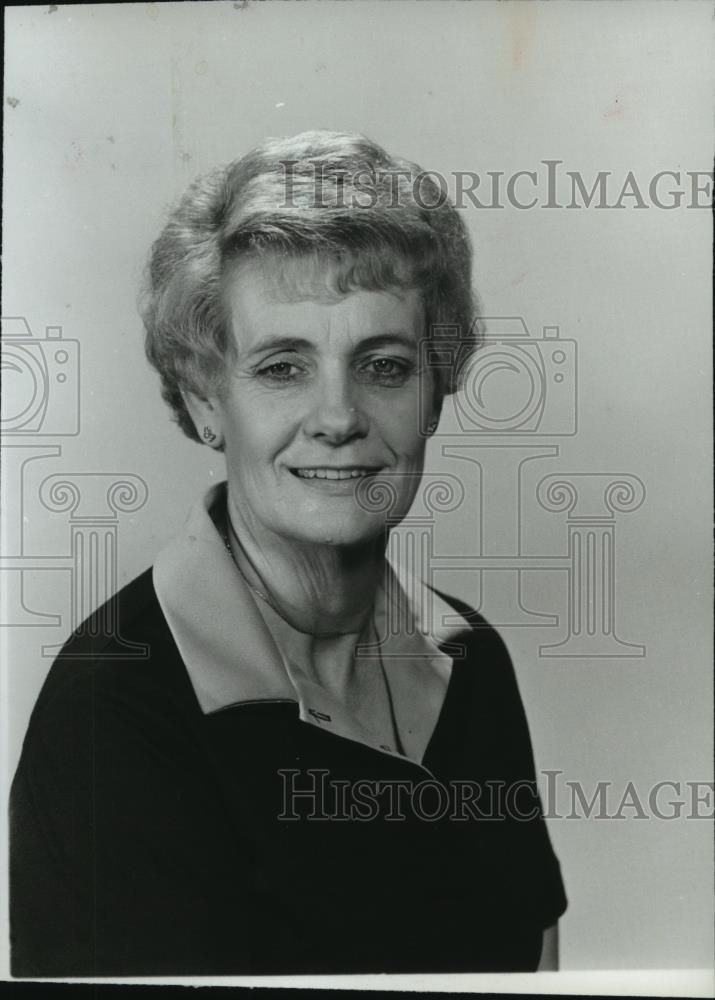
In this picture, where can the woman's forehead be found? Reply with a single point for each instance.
(264, 299)
(319, 275)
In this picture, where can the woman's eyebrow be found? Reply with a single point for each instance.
(294, 343)
(280, 343)
(388, 340)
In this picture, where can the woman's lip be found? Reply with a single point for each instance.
(346, 465)
(334, 473)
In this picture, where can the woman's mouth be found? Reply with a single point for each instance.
(327, 472)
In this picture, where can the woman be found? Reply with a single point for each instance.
(258, 794)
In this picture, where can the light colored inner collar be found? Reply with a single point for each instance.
(232, 658)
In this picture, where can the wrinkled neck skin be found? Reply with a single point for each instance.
(320, 589)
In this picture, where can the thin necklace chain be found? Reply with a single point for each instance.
(228, 528)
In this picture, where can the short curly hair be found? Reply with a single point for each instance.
(370, 220)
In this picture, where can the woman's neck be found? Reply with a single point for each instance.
(321, 589)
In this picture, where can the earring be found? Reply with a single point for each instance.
(209, 435)
(432, 426)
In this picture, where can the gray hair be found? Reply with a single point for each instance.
(337, 198)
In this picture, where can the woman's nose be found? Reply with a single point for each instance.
(337, 415)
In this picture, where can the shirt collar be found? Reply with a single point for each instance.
(227, 648)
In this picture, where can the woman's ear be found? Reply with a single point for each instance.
(206, 415)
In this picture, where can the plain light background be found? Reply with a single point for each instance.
(116, 108)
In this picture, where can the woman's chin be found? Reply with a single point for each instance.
(326, 527)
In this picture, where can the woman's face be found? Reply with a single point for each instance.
(325, 392)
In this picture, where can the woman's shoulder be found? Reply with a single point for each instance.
(114, 628)
(485, 673)
(475, 630)
(121, 654)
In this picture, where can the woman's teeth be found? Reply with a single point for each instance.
(332, 473)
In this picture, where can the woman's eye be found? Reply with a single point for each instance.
(279, 371)
(387, 371)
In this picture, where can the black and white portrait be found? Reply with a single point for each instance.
(355, 497)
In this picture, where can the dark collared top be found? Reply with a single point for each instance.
(153, 834)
